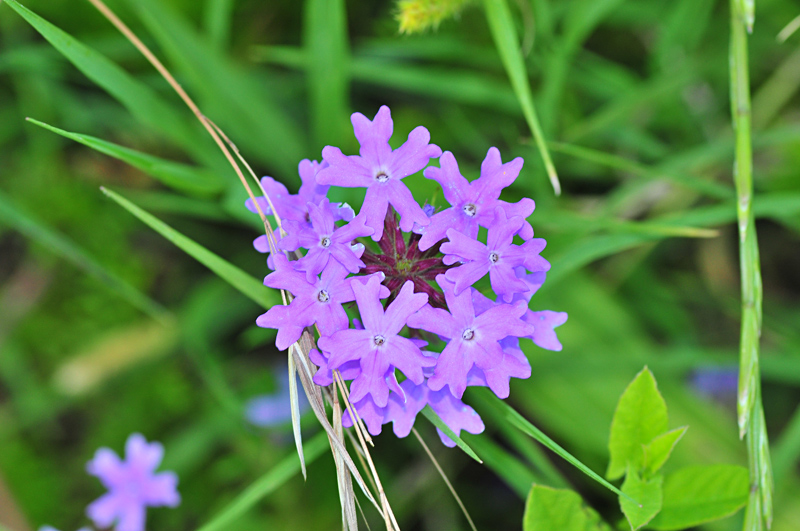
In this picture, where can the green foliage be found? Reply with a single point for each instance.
(641, 415)
(702, 493)
(647, 491)
(549, 509)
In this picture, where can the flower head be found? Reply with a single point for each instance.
(381, 170)
(133, 485)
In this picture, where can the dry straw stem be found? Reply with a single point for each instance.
(750, 410)
(444, 477)
(299, 351)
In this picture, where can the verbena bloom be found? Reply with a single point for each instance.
(428, 267)
(381, 170)
(499, 257)
(473, 340)
(379, 347)
(324, 241)
(133, 485)
(473, 204)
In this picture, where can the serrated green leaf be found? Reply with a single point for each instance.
(698, 494)
(648, 492)
(641, 415)
(657, 451)
(228, 272)
(174, 174)
(549, 509)
(140, 100)
(439, 423)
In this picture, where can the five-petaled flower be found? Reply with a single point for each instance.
(133, 485)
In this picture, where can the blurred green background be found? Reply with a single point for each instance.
(107, 329)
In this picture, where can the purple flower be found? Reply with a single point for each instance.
(455, 413)
(133, 485)
(544, 323)
(716, 382)
(276, 408)
(498, 257)
(379, 347)
(473, 340)
(319, 301)
(369, 412)
(381, 170)
(473, 204)
(295, 207)
(324, 241)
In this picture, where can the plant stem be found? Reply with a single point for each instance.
(750, 410)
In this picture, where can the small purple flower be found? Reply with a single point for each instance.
(544, 323)
(473, 204)
(369, 412)
(295, 206)
(498, 257)
(133, 485)
(455, 413)
(276, 408)
(716, 382)
(324, 241)
(474, 340)
(381, 170)
(379, 347)
(319, 301)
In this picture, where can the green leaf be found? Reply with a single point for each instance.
(648, 492)
(641, 415)
(65, 248)
(228, 272)
(526, 427)
(504, 34)
(175, 175)
(699, 494)
(657, 451)
(267, 484)
(549, 509)
(439, 423)
(140, 100)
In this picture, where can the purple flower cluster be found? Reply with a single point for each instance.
(416, 277)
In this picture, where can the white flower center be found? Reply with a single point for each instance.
(381, 177)
(323, 296)
(470, 210)
(378, 340)
(468, 334)
(494, 257)
(325, 242)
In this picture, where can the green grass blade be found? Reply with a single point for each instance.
(325, 41)
(749, 406)
(237, 101)
(439, 423)
(228, 272)
(179, 176)
(33, 229)
(267, 484)
(526, 427)
(217, 15)
(141, 101)
(505, 39)
(510, 469)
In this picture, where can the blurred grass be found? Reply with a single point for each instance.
(633, 99)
